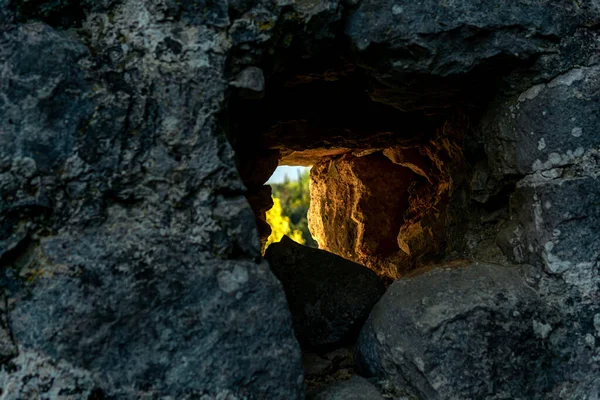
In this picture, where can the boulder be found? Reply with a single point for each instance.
(329, 297)
(357, 207)
(129, 255)
(546, 138)
(455, 37)
(357, 388)
(548, 126)
(460, 331)
(154, 325)
(450, 50)
(387, 208)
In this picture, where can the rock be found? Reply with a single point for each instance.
(168, 328)
(329, 297)
(553, 227)
(133, 133)
(416, 44)
(389, 391)
(251, 81)
(538, 136)
(62, 14)
(324, 369)
(129, 255)
(261, 201)
(441, 32)
(315, 365)
(310, 157)
(342, 357)
(546, 127)
(537, 139)
(35, 376)
(466, 332)
(357, 208)
(410, 158)
(386, 208)
(8, 349)
(556, 220)
(356, 388)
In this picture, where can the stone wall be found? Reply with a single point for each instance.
(135, 135)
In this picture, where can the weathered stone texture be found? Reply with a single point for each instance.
(386, 208)
(329, 297)
(356, 388)
(455, 37)
(357, 207)
(460, 331)
(414, 44)
(33, 375)
(546, 127)
(554, 215)
(129, 254)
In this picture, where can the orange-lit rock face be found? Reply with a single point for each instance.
(357, 208)
(385, 209)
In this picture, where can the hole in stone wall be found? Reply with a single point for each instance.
(291, 201)
(384, 165)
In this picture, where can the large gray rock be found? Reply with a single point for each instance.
(548, 126)
(546, 137)
(431, 54)
(167, 328)
(454, 37)
(555, 226)
(329, 297)
(356, 388)
(130, 258)
(460, 333)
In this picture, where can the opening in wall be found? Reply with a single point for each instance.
(382, 172)
(291, 201)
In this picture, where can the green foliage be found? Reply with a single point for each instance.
(280, 225)
(294, 197)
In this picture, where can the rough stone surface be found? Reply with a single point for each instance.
(251, 81)
(548, 126)
(129, 254)
(35, 376)
(329, 297)
(410, 44)
(537, 139)
(128, 330)
(555, 224)
(441, 31)
(8, 348)
(357, 207)
(261, 201)
(125, 234)
(356, 388)
(386, 208)
(461, 331)
(324, 369)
